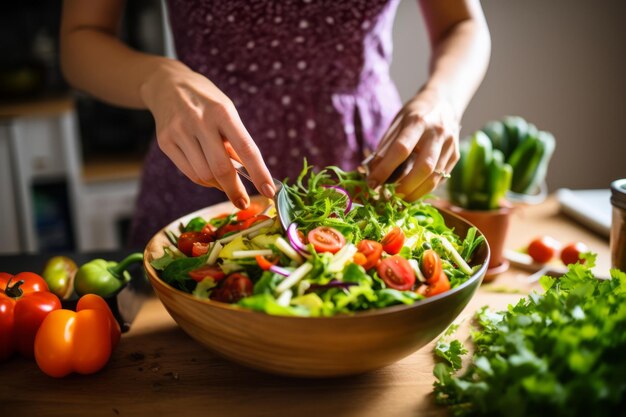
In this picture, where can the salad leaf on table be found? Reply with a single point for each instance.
(560, 353)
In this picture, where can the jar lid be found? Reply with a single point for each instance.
(618, 193)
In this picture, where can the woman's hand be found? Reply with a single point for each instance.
(199, 129)
(425, 132)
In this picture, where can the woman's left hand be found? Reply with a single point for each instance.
(426, 131)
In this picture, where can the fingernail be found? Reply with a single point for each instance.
(372, 183)
(241, 204)
(268, 190)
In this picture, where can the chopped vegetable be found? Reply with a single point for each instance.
(349, 248)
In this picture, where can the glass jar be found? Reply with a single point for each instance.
(618, 225)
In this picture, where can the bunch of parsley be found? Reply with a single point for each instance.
(562, 353)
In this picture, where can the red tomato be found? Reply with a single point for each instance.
(233, 289)
(252, 220)
(431, 265)
(393, 241)
(571, 253)
(438, 286)
(371, 250)
(207, 271)
(209, 231)
(264, 263)
(543, 248)
(326, 239)
(199, 249)
(227, 229)
(24, 304)
(187, 239)
(396, 272)
(252, 210)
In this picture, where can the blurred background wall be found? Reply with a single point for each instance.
(70, 164)
(560, 64)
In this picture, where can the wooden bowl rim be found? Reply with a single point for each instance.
(153, 276)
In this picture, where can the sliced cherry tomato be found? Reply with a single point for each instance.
(187, 239)
(326, 239)
(543, 248)
(431, 265)
(233, 289)
(438, 286)
(253, 210)
(393, 241)
(208, 230)
(396, 272)
(199, 249)
(252, 220)
(227, 229)
(207, 271)
(372, 251)
(264, 263)
(571, 253)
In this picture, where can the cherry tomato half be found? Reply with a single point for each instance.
(372, 251)
(227, 229)
(543, 248)
(253, 210)
(233, 289)
(199, 249)
(393, 241)
(396, 272)
(252, 220)
(264, 263)
(438, 286)
(326, 239)
(571, 253)
(207, 271)
(431, 265)
(187, 239)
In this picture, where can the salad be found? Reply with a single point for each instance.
(350, 248)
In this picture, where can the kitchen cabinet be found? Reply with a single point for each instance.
(38, 145)
(42, 171)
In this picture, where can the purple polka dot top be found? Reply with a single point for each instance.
(309, 78)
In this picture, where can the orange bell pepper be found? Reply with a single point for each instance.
(80, 341)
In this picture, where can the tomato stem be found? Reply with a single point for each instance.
(118, 269)
(14, 291)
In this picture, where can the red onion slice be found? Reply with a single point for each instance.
(344, 192)
(294, 240)
(280, 270)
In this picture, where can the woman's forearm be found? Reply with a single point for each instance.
(459, 61)
(94, 60)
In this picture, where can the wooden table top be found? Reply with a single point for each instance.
(158, 370)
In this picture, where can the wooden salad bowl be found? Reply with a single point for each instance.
(312, 346)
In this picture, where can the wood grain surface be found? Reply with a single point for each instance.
(158, 370)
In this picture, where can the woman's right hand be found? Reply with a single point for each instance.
(199, 129)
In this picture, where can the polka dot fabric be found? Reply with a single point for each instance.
(310, 79)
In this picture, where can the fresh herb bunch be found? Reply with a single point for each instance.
(557, 354)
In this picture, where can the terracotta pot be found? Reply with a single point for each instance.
(494, 225)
